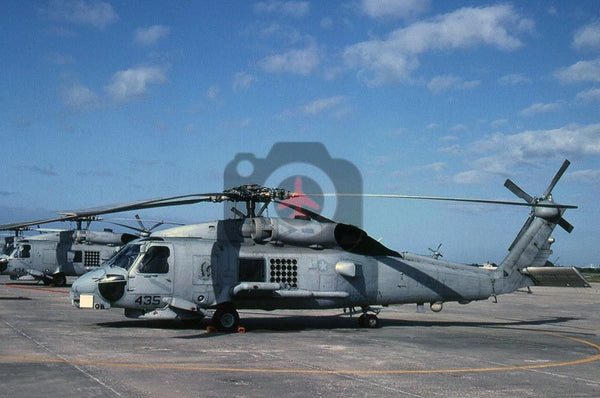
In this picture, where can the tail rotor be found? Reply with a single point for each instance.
(553, 214)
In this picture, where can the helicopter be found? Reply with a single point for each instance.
(252, 261)
(55, 254)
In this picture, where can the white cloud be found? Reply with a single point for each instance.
(79, 96)
(590, 95)
(498, 123)
(446, 82)
(326, 23)
(538, 108)
(436, 167)
(502, 152)
(588, 37)
(133, 83)
(151, 35)
(295, 9)
(333, 105)
(213, 93)
(96, 13)
(513, 79)
(301, 62)
(453, 149)
(242, 81)
(586, 176)
(322, 104)
(458, 128)
(469, 177)
(393, 8)
(582, 71)
(573, 140)
(394, 58)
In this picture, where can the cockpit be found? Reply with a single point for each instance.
(8, 247)
(154, 259)
(22, 250)
(125, 257)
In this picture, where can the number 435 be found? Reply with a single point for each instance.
(148, 300)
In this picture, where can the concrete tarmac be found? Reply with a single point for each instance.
(545, 344)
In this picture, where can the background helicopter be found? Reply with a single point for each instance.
(55, 254)
(311, 262)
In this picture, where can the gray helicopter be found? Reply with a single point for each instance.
(53, 255)
(309, 262)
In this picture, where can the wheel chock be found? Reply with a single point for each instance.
(211, 329)
(241, 329)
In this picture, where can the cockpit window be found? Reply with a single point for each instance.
(8, 247)
(24, 251)
(155, 260)
(125, 257)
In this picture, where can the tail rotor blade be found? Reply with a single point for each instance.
(559, 174)
(565, 225)
(514, 188)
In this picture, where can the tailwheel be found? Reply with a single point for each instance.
(368, 321)
(226, 318)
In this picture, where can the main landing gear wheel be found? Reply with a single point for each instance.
(59, 280)
(226, 319)
(368, 321)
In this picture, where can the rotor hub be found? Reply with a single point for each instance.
(256, 193)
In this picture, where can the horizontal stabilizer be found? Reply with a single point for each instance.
(556, 276)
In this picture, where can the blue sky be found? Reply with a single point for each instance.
(107, 102)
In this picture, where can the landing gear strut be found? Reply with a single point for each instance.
(226, 318)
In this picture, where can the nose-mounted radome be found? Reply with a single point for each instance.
(110, 287)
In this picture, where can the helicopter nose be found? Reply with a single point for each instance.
(87, 283)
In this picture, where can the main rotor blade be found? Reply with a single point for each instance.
(146, 204)
(518, 191)
(142, 204)
(140, 223)
(19, 225)
(559, 174)
(499, 202)
(158, 224)
(127, 226)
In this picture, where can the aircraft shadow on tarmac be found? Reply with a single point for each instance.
(337, 322)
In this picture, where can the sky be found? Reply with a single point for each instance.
(107, 102)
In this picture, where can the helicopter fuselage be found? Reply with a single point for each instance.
(191, 270)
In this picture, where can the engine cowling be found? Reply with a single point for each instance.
(316, 235)
(103, 237)
(293, 231)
